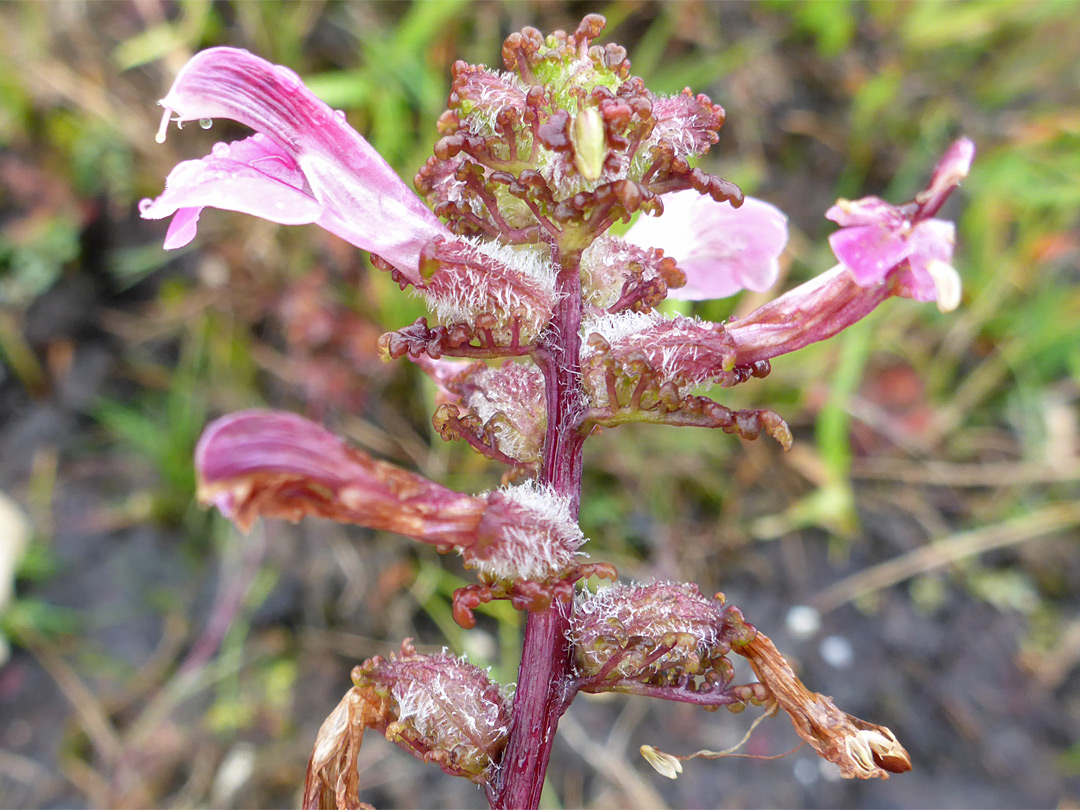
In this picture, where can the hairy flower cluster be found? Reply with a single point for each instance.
(563, 144)
(527, 532)
(503, 406)
(617, 275)
(662, 639)
(682, 352)
(439, 708)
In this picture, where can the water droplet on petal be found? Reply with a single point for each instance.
(144, 204)
(220, 150)
(206, 123)
(339, 115)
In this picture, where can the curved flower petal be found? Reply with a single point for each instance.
(277, 464)
(931, 241)
(253, 176)
(182, 228)
(263, 463)
(870, 252)
(721, 249)
(949, 171)
(814, 311)
(347, 186)
(877, 237)
(865, 211)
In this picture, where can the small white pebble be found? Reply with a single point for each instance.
(836, 651)
(806, 771)
(803, 621)
(235, 771)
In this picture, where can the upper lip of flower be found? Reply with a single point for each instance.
(325, 172)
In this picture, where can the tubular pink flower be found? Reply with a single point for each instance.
(304, 164)
(263, 463)
(814, 311)
(879, 239)
(721, 249)
(278, 464)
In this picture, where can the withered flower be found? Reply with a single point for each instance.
(861, 750)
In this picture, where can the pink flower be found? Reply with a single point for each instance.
(263, 463)
(304, 164)
(721, 249)
(878, 238)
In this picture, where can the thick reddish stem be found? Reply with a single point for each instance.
(545, 685)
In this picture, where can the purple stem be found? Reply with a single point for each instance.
(545, 683)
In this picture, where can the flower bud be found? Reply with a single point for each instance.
(527, 532)
(685, 352)
(507, 399)
(688, 122)
(471, 280)
(651, 633)
(590, 143)
(619, 275)
(439, 708)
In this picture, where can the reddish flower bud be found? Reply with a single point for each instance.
(512, 288)
(662, 640)
(527, 532)
(604, 623)
(508, 400)
(684, 352)
(617, 275)
(688, 122)
(439, 708)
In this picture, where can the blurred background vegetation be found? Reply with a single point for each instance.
(929, 512)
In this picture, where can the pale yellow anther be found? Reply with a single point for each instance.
(590, 143)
